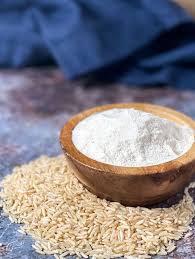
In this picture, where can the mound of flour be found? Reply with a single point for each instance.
(129, 137)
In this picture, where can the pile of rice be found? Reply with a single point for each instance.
(64, 218)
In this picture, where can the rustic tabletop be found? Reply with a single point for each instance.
(34, 104)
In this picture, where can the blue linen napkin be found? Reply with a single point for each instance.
(143, 42)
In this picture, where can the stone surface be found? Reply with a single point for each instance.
(34, 104)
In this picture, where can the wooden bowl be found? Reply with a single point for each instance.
(130, 185)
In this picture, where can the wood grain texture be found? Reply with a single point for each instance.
(133, 186)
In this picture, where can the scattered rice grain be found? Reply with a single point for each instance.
(66, 219)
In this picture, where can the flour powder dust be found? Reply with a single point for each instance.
(129, 137)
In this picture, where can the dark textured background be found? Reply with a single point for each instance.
(34, 104)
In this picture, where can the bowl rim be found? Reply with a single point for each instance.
(71, 151)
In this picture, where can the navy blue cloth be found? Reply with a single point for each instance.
(139, 42)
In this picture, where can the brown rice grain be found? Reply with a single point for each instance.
(64, 218)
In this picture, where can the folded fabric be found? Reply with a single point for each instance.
(143, 42)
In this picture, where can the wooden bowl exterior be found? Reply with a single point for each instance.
(130, 185)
